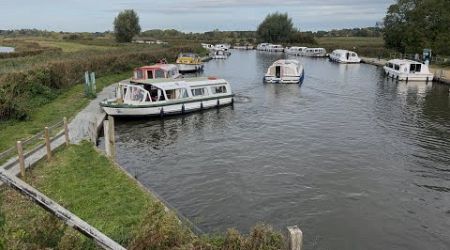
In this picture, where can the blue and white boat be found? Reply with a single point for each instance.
(285, 71)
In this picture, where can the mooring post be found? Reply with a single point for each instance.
(66, 131)
(93, 86)
(295, 237)
(106, 129)
(47, 144)
(21, 159)
(112, 136)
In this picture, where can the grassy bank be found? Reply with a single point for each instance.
(92, 187)
(67, 104)
(364, 46)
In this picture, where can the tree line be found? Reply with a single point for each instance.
(412, 25)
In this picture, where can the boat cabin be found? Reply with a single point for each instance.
(315, 52)
(157, 71)
(148, 91)
(344, 56)
(403, 69)
(285, 71)
(295, 50)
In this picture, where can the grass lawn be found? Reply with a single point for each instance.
(67, 104)
(71, 46)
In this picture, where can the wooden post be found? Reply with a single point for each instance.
(21, 159)
(112, 136)
(66, 131)
(295, 237)
(47, 144)
(106, 129)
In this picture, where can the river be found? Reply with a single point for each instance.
(355, 160)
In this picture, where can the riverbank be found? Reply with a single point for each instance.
(90, 185)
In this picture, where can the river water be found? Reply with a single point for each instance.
(356, 160)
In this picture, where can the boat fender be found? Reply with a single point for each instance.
(182, 109)
(406, 79)
(161, 113)
(398, 77)
(232, 101)
(218, 102)
(201, 105)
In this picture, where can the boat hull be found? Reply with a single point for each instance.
(408, 76)
(286, 79)
(168, 109)
(189, 67)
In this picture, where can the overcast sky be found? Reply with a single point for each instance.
(188, 15)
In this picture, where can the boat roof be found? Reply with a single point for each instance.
(286, 62)
(165, 67)
(297, 47)
(316, 48)
(403, 61)
(183, 82)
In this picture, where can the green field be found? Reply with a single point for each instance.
(364, 46)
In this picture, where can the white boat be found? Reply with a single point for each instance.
(408, 70)
(285, 71)
(157, 71)
(168, 97)
(207, 46)
(243, 47)
(344, 56)
(218, 54)
(275, 48)
(262, 46)
(315, 52)
(296, 51)
(222, 46)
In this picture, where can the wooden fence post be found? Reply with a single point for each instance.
(112, 137)
(21, 159)
(47, 144)
(66, 131)
(106, 128)
(295, 238)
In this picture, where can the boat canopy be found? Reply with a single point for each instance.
(170, 85)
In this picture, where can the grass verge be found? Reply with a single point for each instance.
(67, 104)
(92, 187)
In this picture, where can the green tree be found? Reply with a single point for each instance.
(126, 25)
(277, 27)
(411, 25)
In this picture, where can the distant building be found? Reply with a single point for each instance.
(148, 41)
(7, 49)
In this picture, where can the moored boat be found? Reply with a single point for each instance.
(315, 52)
(168, 97)
(218, 54)
(285, 71)
(408, 70)
(189, 62)
(262, 46)
(344, 56)
(274, 48)
(294, 50)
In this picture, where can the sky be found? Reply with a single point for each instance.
(188, 15)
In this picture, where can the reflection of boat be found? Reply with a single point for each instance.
(344, 56)
(189, 62)
(169, 96)
(285, 71)
(218, 54)
(297, 51)
(315, 52)
(156, 71)
(407, 70)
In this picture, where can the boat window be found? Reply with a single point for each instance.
(137, 94)
(390, 65)
(219, 89)
(397, 67)
(198, 92)
(353, 54)
(139, 74)
(149, 74)
(159, 73)
(173, 94)
(415, 68)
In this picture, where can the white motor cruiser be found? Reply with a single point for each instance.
(285, 71)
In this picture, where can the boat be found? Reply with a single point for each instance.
(344, 56)
(189, 62)
(296, 51)
(262, 46)
(207, 46)
(285, 71)
(222, 46)
(219, 54)
(275, 48)
(408, 70)
(243, 47)
(315, 52)
(156, 71)
(163, 97)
